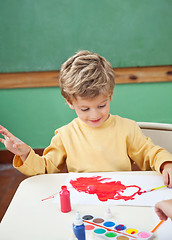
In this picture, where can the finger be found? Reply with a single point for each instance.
(3, 135)
(170, 178)
(5, 132)
(160, 214)
(165, 177)
(2, 140)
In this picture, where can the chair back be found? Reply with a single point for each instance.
(160, 133)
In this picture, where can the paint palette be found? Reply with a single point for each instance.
(100, 228)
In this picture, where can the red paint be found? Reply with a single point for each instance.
(65, 200)
(50, 197)
(89, 227)
(103, 188)
(140, 193)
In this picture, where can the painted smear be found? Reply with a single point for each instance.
(104, 188)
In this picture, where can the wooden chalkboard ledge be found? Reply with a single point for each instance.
(50, 78)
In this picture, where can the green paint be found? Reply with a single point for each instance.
(110, 234)
(99, 230)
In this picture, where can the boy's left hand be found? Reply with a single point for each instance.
(167, 174)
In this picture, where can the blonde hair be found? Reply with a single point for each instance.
(86, 75)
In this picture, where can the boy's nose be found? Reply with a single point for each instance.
(94, 114)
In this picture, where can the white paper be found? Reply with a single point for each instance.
(145, 182)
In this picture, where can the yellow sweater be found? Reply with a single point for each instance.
(106, 148)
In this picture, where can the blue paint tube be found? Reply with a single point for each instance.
(78, 227)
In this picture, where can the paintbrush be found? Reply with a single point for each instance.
(155, 228)
(153, 189)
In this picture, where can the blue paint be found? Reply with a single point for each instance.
(109, 224)
(79, 228)
(120, 227)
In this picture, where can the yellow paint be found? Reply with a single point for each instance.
(132, 231)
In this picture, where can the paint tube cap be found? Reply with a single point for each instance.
(108, 213)
(78, 221)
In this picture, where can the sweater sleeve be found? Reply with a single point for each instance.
(52, 161)
(144, 152)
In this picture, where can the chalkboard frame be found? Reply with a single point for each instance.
(50, 78)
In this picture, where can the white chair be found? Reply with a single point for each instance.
(160, 133)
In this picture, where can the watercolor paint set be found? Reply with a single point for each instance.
(100, 228)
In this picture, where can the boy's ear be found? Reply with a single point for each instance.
(70, 104)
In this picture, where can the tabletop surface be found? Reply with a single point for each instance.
(30, 218)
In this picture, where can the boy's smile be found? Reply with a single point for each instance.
(93, 111)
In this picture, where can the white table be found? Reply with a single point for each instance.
(29, 218)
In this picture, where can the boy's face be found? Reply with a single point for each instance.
(92, 111)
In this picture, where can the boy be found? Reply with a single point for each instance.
(95, 141)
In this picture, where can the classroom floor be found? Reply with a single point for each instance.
(10, 179)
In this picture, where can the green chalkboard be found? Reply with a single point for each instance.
(39, 35)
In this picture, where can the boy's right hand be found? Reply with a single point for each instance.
(13, 144)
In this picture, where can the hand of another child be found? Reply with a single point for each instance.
(167, 174)
(164, 209)
(13, 144)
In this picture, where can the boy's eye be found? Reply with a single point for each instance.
(84, 109)
(102, 106)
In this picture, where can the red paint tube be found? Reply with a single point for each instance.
(65, 199)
